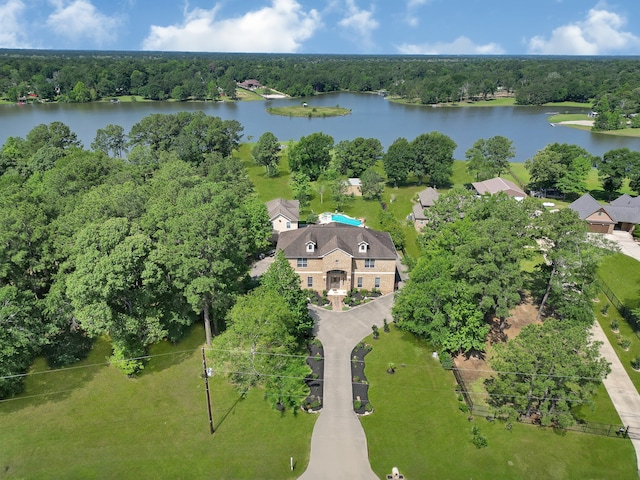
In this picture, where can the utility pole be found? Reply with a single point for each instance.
(206, 385)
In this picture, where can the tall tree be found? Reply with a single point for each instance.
(311, 155)
(116, 288)
(356, 156)
(615, 166)
(433, 156)
(110, 139)
(489, 158)
(398, 161)
(282, 280)
(267, 153)
(547, 369)
(260, 347)
(371, 185)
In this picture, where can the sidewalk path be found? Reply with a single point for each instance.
(338, 444)
(622, 391)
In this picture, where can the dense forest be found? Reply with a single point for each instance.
(135, 249)
(89, 76)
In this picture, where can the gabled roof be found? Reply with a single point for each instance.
(498, 184)
(418, 212)
(585, 206)
(621, 210)
(289, 209)
(332, 236)
(623, 214)
(626, 201)
(428, 197)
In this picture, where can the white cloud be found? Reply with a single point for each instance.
(412, 6)
(600, 33)
(80, 19)
(281, 28)
(360, 22)
(460, 46)
(11, 34)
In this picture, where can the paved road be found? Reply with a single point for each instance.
(338, 444)
(623, 393)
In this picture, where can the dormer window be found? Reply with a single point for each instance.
(311, 247)
(363, 247)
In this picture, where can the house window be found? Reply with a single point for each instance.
(309, 282)
(359, 282)
(363, 247)
(310, 247)
(302, 262)
(369, 263)
(377, 283)
(288, 224)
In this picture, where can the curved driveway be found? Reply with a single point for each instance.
(338, 444)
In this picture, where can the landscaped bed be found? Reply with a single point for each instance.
(360, 386)
(315, 380)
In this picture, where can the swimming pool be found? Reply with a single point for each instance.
(336, 217)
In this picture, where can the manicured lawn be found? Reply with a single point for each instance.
(418, 427)
(622, 275)
(625, 332)
(569, 117)
(105, 425)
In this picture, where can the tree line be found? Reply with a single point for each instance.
(136, 249)
(89, 76)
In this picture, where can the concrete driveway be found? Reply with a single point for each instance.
(338, 444)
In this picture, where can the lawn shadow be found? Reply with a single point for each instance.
(166, 354)
(229, 410)
(43, 384)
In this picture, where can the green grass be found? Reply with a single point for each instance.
(309, 111)
(105, 425)
(569, 117)
(622, 275)
(625, 331)
(416, 426)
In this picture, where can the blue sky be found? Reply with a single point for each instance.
(547, 27)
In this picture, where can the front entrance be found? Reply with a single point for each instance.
(336, 280)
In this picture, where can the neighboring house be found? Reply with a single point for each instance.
(621, 214)
(498, 184)
(338, 258)
(283, 214)
(426, 199)
(353, 187)
(250, 84)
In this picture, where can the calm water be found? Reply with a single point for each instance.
(372, 116)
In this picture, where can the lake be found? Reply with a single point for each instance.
(372, 116)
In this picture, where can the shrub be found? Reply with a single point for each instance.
(635, 363)
(445, 360)
(67, 347)
(625, 343)
(385, 325)
(357, 405)
(480, 441)
(604, 309)
(376, 332)
(463, 407)
(614, 325)
(368, 408)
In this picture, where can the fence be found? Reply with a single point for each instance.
(624, 311)
(593, 428)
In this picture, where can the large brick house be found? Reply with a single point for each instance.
(338, 258)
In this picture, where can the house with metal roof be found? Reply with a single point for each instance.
(498, 184)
